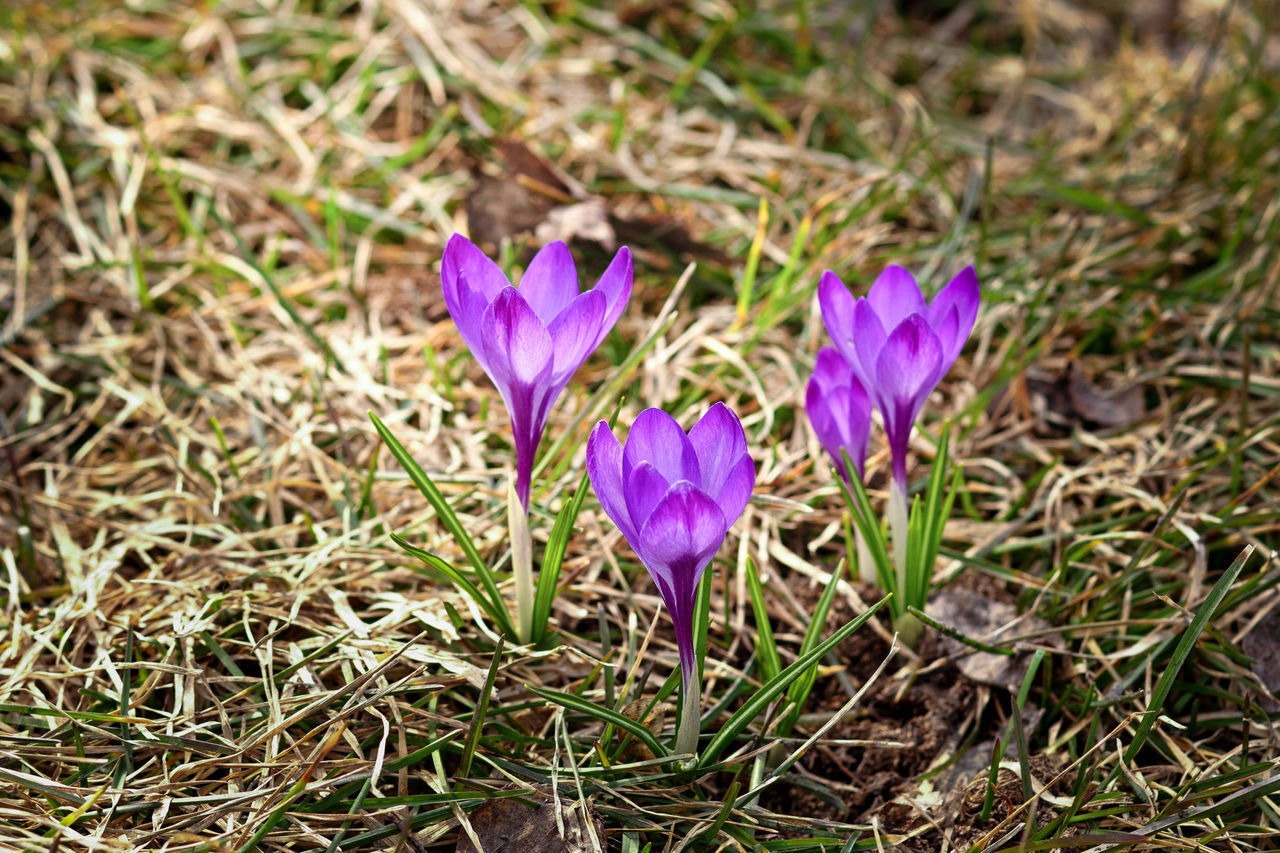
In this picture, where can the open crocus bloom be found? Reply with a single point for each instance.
(674, 497)
(897, 345)
(839, 410)
(530, 340)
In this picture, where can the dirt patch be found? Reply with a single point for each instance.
(877, 752)
(913, 720)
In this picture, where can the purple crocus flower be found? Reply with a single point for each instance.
(674, 497)
(530, 340)
(839, 410)
(898, 345)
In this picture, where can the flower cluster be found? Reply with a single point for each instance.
(674, 494)
(896, 349)
(892, 349)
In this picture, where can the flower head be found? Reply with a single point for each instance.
(530, 339)
(839, 410)
(898, 345)
(674, 497)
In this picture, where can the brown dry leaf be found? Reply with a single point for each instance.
(654, 722)
(533, 198)
(536, 172)
(1069, 399)
(668, 234)
(502, 208)
(1118, 408)
(1262, 643)
(508, 826)
(980, 618)
(586, 220)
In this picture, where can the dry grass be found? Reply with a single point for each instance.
(222, 253)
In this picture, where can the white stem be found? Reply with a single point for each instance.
(521, 563)
(898, 528)
(909, 629)
(908, 626)
(866, 564)
(690, 711)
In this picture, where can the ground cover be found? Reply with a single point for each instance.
(223, 229)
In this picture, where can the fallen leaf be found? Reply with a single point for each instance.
(532, 198)
(1068, 399)
(983, 619)
(501, 208)
(654, 722)
(586, 220)
(1118, 408)
(508, 826)
(1262, 643)
(668, 234)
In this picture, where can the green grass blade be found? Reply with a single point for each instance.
(496, 610)
(766, 646)
(553, 559)
(753, 262)
(443, 511)
(799, 690)
(477, 720)
(855, 498)
(1182, 652)
(605, 715)
(281, 299)
(702, 620)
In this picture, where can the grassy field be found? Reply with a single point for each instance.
(220, 236)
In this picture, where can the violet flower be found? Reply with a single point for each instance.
(898, 346)
(839, 410)
(674, 497)
(530, 340)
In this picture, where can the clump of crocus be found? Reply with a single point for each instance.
(674, 497)
(531, 339)
(898, 346)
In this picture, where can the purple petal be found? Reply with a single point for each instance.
(830, 368)
(953, 313)
(469, 281)
(823, 421)
(615, 284)
(836, 303)
(908, 369)
(604, 467)
(948, 331)
(719, 442)
(575, 333)
(737, 489)
(680, 538)
(517, 349)
(839, 410)
(465, 264)
(551, 281)
(869, 337)
(908, 364)
(516, 342)
(642, 490)
(895, 296)
(656, 438)
(467, 310)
